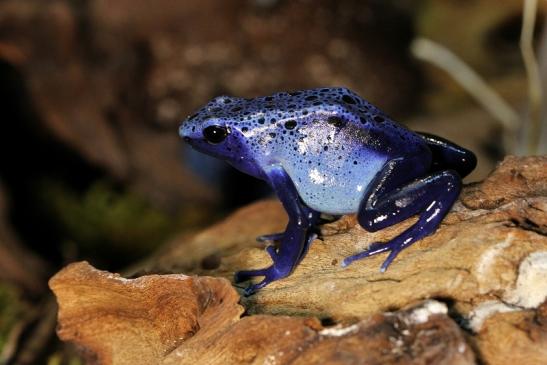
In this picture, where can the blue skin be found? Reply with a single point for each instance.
(329, 151)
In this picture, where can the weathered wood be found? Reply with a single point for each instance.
(176, 320)
(487, 262)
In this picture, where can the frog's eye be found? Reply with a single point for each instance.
(215, 134)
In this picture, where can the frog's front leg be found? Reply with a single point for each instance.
(294, 242)
(390, 202)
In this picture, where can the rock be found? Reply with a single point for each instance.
(175, 319)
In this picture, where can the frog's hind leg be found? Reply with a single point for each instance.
(387, 204)
(449, 156)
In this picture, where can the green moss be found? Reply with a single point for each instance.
(59, 358)
(104, 221)
(11, 310)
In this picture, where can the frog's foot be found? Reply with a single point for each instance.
(374, 249)
(272, 251)
(270, 274)
(244, 275)
(278, 237)
(270, 237)
(281, 267)
(270, 242)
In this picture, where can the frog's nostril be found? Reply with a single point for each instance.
(186, 139)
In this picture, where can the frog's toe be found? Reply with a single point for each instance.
(245, 275)
(251, 289)
(272, 251)
(394, 252)
(270, 237)
(270, 275)
(373, 249)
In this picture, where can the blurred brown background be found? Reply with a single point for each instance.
(92, 92)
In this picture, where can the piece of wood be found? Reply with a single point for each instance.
(176, 320)
(487, 263)
(140, 321)
(489, 255)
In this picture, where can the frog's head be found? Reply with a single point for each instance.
(214, 130)
(211, 129)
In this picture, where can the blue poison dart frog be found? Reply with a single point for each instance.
(329, 151)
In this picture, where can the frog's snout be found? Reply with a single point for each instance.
(184, 132)
(189, 134)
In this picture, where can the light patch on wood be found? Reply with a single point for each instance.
(531, 287)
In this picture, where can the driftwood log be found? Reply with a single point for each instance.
(475, 291)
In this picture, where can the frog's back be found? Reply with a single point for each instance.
(332, 143)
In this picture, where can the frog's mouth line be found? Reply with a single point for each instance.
(205, 148)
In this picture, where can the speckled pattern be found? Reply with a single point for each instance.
(330, 141)
(329, 151)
